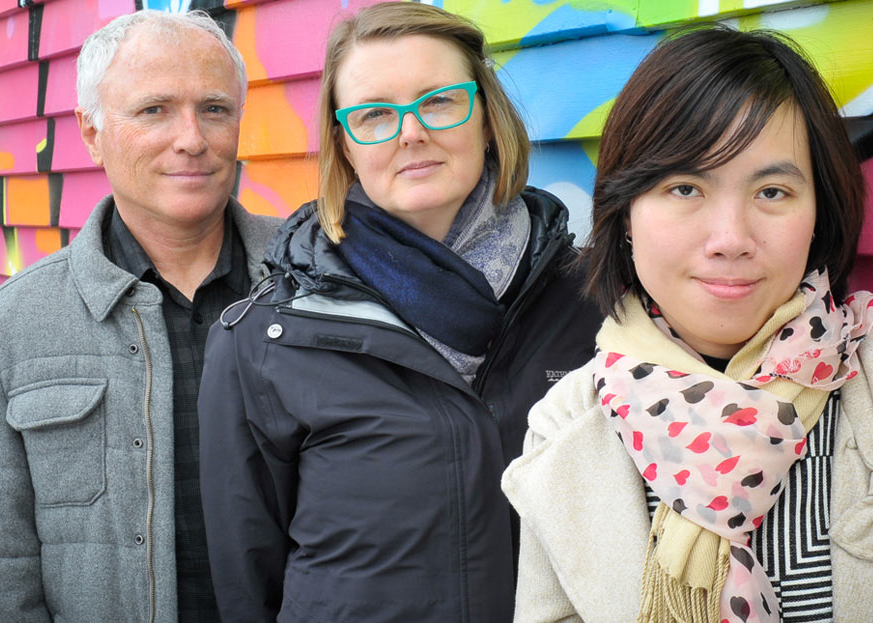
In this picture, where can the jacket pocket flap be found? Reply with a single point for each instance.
(53, 403)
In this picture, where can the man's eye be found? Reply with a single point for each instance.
(152, 110)
(216, 109)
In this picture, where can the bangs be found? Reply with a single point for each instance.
(695, 123)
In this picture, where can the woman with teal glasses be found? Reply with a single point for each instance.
(357, 412)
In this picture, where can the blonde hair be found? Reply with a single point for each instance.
(509, 146)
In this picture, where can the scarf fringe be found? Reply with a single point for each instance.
(665, 599)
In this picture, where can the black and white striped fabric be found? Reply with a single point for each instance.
(792, 543)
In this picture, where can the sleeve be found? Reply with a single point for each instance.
(21, 595)
(248, 494)
(539, 596)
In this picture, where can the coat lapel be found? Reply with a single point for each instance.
(583, 499)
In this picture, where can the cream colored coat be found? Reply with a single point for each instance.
(585, 525)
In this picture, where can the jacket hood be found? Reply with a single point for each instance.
(303, 251)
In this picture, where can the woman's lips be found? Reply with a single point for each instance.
(729, 289)
(419, 169)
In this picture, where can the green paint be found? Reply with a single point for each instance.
(591, 125)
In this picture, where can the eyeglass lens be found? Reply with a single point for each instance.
(439, 111)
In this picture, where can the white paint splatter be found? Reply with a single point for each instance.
(578, 202)
(861, 106)
(754, 4)
(707, 7)
(795, 18)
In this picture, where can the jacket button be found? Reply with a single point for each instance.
(274, 331)
(198, 318)
(133, 349)
(138, 539)
(137, 443)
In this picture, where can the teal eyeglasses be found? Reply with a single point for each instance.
(377, 122)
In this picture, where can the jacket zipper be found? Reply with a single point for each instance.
(357, 285)
(463, 538)
(150, 451)
(512, 314)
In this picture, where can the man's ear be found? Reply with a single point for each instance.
(90, 136)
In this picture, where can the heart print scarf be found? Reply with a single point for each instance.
(716, 447)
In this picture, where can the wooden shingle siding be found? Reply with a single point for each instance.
(563, 61)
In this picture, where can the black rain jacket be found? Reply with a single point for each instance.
(348, 472)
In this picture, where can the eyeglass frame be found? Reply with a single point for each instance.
(342, 114)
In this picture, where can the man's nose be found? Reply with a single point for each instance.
(190, 137)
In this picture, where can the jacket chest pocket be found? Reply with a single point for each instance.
(64, 432)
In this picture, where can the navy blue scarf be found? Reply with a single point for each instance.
(427, 284)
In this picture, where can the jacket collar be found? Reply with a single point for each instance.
(301, 248)
(102, 284)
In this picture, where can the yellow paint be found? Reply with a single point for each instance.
(591, 125)
(27, 200)
(47, 240)
(591, 148)
(270, 127)
(13, 258)
(41, 145)
(506, 23)
(840, 47)
(244, 39)
(291, 183)
(7, 160)
(502, 57)
(656, 13)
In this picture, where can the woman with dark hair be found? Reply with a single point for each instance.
(712, 463)
(356, 420)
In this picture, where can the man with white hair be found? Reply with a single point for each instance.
(101, 345)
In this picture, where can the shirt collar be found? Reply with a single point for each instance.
(126, 252)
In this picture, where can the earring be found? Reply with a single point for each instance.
(630, 244)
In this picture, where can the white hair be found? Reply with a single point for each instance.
(101, 46)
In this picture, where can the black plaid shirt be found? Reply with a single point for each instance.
(188, 323)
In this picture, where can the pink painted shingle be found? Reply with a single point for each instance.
(66, 23)
(35, 243)
(70, 153)
(13, 38)
(289, 35)
(60, 91)
(18, 146)
(18, 93)
(8, 6)
(82, 191)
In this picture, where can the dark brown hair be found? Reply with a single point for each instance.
(679, 104)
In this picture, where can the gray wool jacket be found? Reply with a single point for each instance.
(86, 444)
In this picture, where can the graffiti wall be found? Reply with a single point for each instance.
(562, 60)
